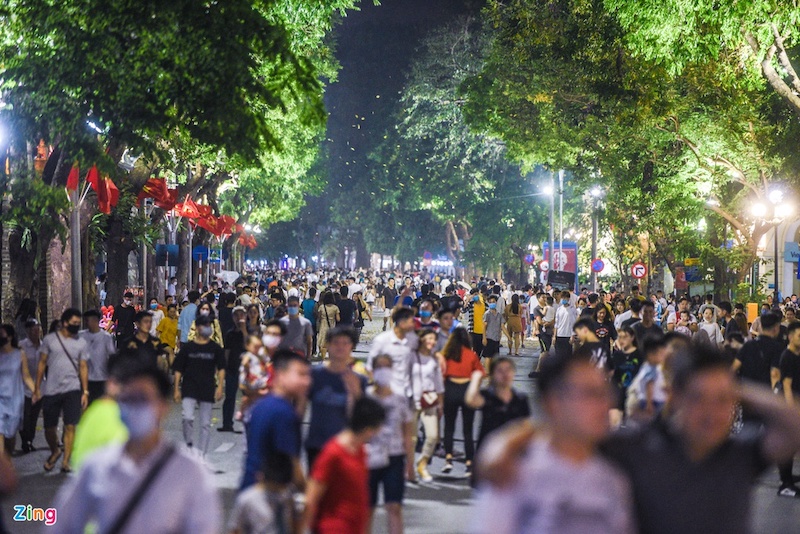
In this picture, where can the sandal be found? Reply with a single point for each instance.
(66, 469)
(51, 460)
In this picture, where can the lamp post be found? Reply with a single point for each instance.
(773, 213)
(147, 210)
(596, 194)
(560, 215)
(550, 191)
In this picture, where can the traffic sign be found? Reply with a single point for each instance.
(639, 270)
(529, 259)
(598, 265)
(543, 265)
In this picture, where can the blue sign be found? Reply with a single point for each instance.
(529, 259)
(791, 252)
(200, 253)
(598, 265)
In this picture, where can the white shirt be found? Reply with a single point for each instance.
(565, 320)
(553, 495)
(181, 499)
(621, 318)
(400, 351)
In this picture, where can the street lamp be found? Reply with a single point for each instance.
(774, 213)
(549, 190)
(596, 195)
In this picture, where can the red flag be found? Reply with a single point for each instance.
(228, 223)
(188, 209)
(212, 224)
(239, 228)
(155, 188)
(107, 192)
(73, 178)
(243, 240)
(168, 202)
(204, 211)
(251, 242)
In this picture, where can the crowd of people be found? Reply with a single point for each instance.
(277, 347)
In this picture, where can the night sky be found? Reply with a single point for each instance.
(375, 46)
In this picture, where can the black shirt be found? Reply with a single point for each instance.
(625, 367)
(605, 331)
(123, 315)
(347, 310)
(674, 494)
(643, 332)
(234, 344)
(601, 354)
(199, 365)
(497, 413)
(758, 357)
(225, 319)
(790, 368)
(146, 352)
(732, 326)
(389, 295)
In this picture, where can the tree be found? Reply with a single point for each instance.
(561, 87)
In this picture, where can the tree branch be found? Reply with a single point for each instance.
(783, 59)
(736, 223)
(772, 76)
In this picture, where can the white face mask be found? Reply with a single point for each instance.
(271, 341)
(205, 312)
(382, 376)
(140, 419)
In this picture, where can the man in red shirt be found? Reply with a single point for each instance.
(337, 493)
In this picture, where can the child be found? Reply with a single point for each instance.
(710, 327)
(682, 326)
(254, 375)
(647, 392)
(337, 494)
(626, 360)
(601, 353)
(391, 452)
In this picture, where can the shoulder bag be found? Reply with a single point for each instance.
(428, 399)
(136, 497)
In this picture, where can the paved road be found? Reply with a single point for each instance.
(441, 507)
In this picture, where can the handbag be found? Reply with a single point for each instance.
(428, 399)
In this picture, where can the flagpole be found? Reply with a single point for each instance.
(75, 251)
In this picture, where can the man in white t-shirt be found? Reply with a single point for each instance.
(566, 315)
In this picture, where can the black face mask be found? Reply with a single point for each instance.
(73, 328)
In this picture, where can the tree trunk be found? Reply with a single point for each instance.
(118, 247)
(20, 281)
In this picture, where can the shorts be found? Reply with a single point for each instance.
(68, 403)
(393, 479)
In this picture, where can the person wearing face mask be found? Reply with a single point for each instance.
(157, 312)
(198, 365)
(425, 319)
(334, 389)
(299, 332)
(178, 495)
(64, 355)
(206, 310)
(123, 317)
(14, 377)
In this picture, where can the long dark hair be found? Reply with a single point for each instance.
(458, 339)
(597, 309)
(211, 314)
(515, 303)
(12, 335)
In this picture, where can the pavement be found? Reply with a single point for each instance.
(440, 507)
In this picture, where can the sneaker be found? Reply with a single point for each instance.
(533, 374)
(469, 469)
(225, 429)
(422, 471)
(448, 466)
(789, 491)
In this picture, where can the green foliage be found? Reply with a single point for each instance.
(35, 208)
